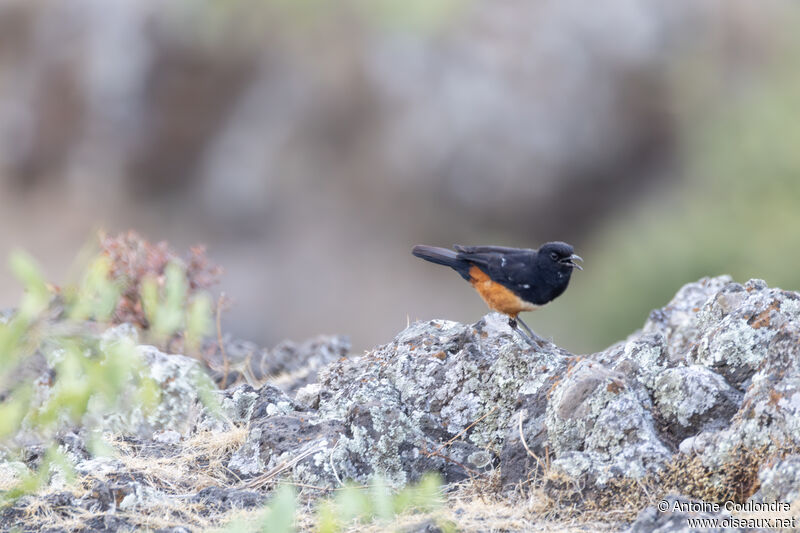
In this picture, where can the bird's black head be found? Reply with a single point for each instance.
(558, 258)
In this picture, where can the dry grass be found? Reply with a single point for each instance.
(622, 499)
(546, 502)
(192, 465)
(176, 472)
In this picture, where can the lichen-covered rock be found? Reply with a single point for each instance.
(769, 414)
(601, 428)
(691, 399)
(720, 365)
(677, 322)
(780, 482)
(736, 326)
(715, 369)
(439, 382)
(179, 379)
(640, 358)
(223, 499)
(712, 377)
(289, 365)
(442, 397)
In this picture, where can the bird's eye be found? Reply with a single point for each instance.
(554, 256)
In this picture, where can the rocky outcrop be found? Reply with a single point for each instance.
(441, 396)
(714, 370)
(710, 376)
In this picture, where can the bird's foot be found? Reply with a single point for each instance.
(531, 334)
(512, 322)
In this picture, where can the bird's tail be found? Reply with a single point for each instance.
(440, 256)
(443, 256)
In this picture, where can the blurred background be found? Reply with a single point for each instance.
(311, 144)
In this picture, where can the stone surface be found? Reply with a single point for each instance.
(714, 372)
(693, 398)
(441, 392)
(178, 377)
(780, 482)
(288, 366)
(600, 426)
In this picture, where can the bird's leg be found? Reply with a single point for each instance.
(513, 323)
(533, 335)
(518, 321)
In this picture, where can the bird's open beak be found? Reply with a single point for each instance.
(571, 261)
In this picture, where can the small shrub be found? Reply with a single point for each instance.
(162, 294)
(56, 373)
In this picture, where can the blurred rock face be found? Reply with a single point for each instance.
(310, 150)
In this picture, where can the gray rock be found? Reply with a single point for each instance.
(440, 397)
(714, 372)
(641, 358)
(307, 397)
(460, 399)
(780, 482)
(126, 332)
(693, 398)
(769, 415)
(224, 499)
(677, 322)
(288, 366)
(737, 325)
(600, 426)
(178, 378)
(426, 526)
(436, 382)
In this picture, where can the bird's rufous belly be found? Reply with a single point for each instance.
(497, 296)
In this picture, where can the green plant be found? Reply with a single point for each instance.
(376, 502)
(351, 504)
(57, 334)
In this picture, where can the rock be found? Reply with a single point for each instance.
(713, 375)
(769, 415)
(600, 426)
(780, 482)
(272, 401)
(426, 526)
(438, 381)
(288, 366)
(224, 499)
(99, 467)
(695, 444)
(460, 399)
(178, 377)
(139, 496)
(440, 397)
(307, 397)
(641, 358)
(737, 325)
(678, 322)
(125, 332)
(107, 522)
(691, 399)
(167, 436)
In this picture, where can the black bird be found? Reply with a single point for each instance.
(510, 280)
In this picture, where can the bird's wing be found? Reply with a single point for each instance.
(489, 249)
(508, 268)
